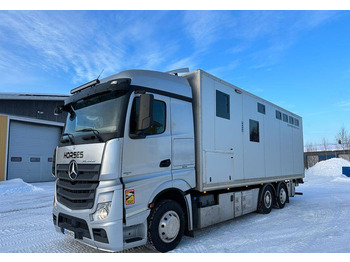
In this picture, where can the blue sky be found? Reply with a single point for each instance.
(299, 60)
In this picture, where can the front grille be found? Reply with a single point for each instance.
(79, 193)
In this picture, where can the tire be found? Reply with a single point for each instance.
(281, 195)
(266, 199)
(166, 225)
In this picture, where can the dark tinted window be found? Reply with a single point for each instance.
(222, 105)
(278, 115)
(285, 118)
(254, 130)
(291, 120)
(296, 122)
(261, 108)
(16, 159)
(159, 117)
(35, 159)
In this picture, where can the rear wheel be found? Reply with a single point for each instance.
(282, 195)
(266, 199)
(165, 226)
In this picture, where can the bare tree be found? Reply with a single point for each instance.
(343, 138)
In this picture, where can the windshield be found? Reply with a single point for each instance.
(103, 113)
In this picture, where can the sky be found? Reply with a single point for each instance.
(299, 60)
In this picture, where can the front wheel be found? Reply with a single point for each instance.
(165, 226)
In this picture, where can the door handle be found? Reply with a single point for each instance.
(165, 163)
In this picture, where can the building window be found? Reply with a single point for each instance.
(261, 108)
(16, 159)
(254, 130)
(291, 120)
(159, 118)
(222, 105)
(278, 115)
(296, 122)
(285, 118)
(35, 159)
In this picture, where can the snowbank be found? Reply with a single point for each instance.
(330, 169)
(15, 186)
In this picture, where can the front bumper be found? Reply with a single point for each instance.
(104, 234)
(110, 234)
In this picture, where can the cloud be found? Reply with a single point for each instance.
(81, 44)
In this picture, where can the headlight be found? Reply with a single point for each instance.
(102, 211)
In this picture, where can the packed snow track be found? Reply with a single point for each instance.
(318, 221)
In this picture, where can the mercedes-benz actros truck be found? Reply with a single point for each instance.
(147, 157)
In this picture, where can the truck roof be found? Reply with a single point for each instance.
(157, 80)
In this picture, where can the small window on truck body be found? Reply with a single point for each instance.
(261, 108)
(291, 120)
(159, 117)
(278, 115)
(222, 105)
(296, 122)
(254, 131)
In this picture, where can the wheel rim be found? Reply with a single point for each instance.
(268, 199)
(283, 195)
(169, 226)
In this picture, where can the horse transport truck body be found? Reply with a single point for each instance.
(147, 157)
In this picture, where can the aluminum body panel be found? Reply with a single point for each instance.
(277, 156)
(218, 213)
(238, 204)
(250, 200)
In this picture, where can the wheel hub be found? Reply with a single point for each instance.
(169, 226)
(268, 199)
(283, 196)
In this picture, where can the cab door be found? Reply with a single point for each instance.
(146, 160)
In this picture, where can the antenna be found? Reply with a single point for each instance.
(100, 73)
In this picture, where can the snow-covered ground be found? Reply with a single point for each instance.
(318, 221)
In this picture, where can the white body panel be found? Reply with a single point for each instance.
(225, 156)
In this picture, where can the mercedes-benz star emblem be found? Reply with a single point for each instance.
(73, 170)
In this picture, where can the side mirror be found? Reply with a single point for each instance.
(145, 119)
(58, 110)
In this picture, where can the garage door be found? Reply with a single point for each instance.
(30, 151)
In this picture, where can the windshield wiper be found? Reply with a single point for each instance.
(70, 137)
(95, 131)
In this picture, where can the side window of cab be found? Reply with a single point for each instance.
(159, 118)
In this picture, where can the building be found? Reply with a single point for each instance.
(29, 132)
(318, 153)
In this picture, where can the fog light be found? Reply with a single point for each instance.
(102, 211)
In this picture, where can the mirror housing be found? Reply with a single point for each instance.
(145, 119)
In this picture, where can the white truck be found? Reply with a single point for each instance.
(147, 157)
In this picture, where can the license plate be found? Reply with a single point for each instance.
(69, 233)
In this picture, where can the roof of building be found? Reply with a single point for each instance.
(28, 96)
(319, 148)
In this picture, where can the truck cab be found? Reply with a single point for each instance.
(127, 148)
